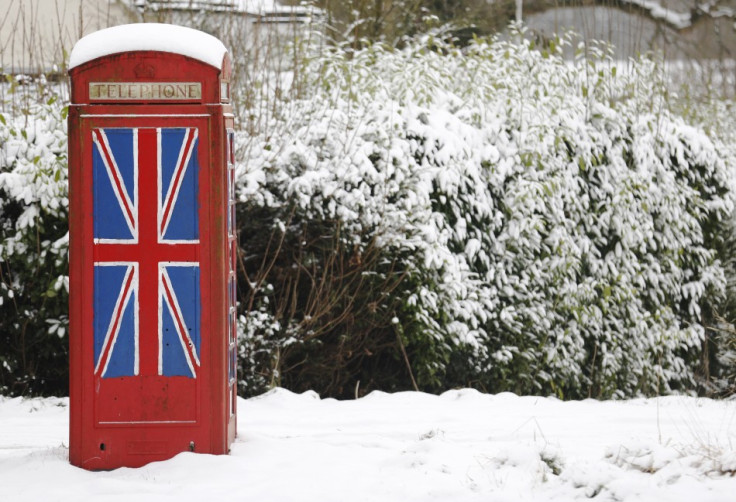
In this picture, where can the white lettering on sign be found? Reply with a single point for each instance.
(126, 91)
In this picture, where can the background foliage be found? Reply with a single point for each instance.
(493, 216)
(540, 225)
(33, 239)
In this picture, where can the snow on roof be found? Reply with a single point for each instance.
(266, 6)
(149, 37)
(678, 20)
(255, 7)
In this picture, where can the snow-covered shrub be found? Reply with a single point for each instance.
(33, 241)
(704, 107)
(494, 216)
(430, 217)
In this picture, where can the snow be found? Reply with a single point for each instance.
(149, 37)
(254, 7)
(460, 446)
(266, 6)
(678, 20)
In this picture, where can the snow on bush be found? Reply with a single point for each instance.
(430, 217)
(544, 226)
(33, 239)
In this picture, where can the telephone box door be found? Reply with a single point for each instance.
(146, 276)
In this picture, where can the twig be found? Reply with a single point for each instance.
(406, 360)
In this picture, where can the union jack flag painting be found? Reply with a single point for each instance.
(147, 303)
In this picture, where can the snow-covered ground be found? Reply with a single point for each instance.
(459, 446)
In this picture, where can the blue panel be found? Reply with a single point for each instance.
(123, 149)
(122, 359)
(231, 339)
(229, 220)
(185, 285)
(184, 223)
(171, 143)
(107, 288)
(108, 214)
(173, 355)
(185, 281)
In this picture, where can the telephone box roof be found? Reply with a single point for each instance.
(149, 37)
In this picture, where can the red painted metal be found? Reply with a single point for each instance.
(133, 420)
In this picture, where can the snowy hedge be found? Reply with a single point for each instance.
(494, 216)
(33, 239)
(432, 217)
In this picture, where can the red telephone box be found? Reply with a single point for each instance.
(152, 247)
